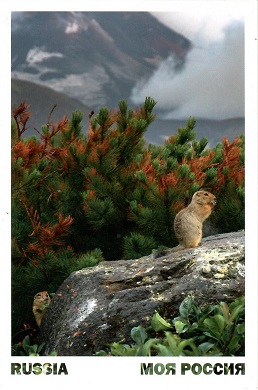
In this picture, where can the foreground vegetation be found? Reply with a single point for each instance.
(216, 330)
(79, 198)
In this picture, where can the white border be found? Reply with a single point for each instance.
(117, 373)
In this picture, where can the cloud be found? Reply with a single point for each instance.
(200, 27)
(211, 84)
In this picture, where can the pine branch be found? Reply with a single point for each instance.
(21, 117)
(47, 236)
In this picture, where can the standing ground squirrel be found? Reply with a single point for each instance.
(40, 303)
(188, 222)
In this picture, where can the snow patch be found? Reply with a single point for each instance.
(72, 28)
(38, 54)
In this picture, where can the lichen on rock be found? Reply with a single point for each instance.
(98, 305)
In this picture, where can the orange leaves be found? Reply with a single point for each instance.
(199, 165)
(147, 167)
(62, 125)
(32, 151)
(231, 164)
(21, 112)
(80, 147)
(46, 236)
(99, 150)
(29, 152)
(21, 116)
(231, 153)
(168, 180)
(56, 153)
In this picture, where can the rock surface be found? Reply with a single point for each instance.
(99, 305)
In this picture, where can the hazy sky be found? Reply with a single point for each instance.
(211, 85)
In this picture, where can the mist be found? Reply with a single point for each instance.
(211, 83)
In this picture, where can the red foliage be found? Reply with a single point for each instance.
(231, 161)
(199, 166)
(46, 235)
(21, 116)
(169, 180)
(30, 152)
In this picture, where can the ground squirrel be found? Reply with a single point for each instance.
(40, 303)
(188, 222)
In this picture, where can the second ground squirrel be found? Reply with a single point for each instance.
(40, 303)
(188, 222)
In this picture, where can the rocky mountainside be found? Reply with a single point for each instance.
(42, 100)
(96, 57)
(85, 60)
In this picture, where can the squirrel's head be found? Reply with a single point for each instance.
(42, 296)
(204, 198)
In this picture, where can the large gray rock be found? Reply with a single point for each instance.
(96, 306)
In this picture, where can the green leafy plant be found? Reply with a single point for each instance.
(225, 327)
(216, 330)
(27, 349)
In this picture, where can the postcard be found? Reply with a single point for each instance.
(129, 194)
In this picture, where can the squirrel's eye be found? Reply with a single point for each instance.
(205, 194)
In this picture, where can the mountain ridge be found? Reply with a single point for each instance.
(42, 99)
